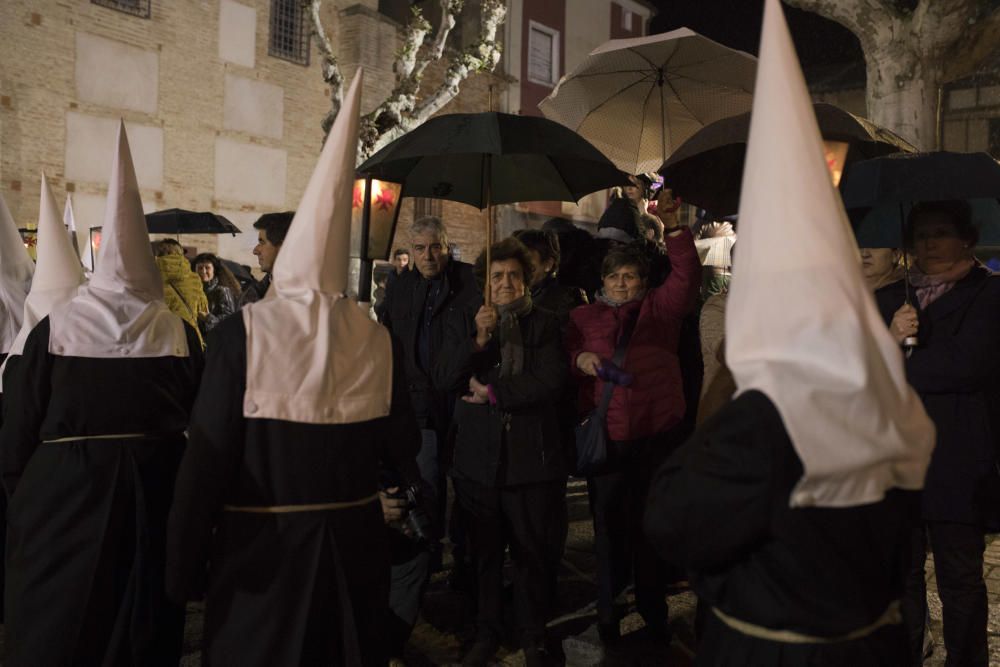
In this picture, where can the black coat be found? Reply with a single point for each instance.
(516, 441)
(301, 588)
(87, 517)
(956, 369)
(403, 312)
(720, 508)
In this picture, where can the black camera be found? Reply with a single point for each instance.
(416, 523)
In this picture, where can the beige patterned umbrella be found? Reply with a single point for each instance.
(638, 99)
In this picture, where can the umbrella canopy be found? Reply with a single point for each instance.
(493, 158)
(179, 221)
(878, 192)
(707, 169)
(638, 99)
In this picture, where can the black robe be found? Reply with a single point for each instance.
(87, 518)
(301, 588)
(720, 508)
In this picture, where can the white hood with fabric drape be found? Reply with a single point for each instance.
(16, 269)
(58, 273)
(313, 355)
(801, 325)
(121, 312)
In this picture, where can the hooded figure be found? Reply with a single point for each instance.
(16, 268)
(277, 498)
(792, 507)
(93, 433)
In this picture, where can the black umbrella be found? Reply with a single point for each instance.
(707, 169)
(491, 158)
(179, 221)
(895, 181)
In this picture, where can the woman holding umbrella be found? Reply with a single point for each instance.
(954, 366)
(509, 467)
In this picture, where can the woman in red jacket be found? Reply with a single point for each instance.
(640, 416)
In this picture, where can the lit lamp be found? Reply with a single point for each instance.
(95, 244)
(30, 239)
(835, 153)
(374, 212)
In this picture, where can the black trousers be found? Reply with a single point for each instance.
(618, 502)
(525, 517)
(958, 568)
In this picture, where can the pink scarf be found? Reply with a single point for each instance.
(929, 288)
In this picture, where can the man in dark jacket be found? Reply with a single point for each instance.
(415, 309)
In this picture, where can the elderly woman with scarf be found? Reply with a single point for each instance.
(956, 320)
(509, 468)
(640, 417)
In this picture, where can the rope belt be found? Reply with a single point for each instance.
(891, 616)
(117, 436)
(287, 509)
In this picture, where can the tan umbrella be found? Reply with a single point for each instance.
(638, 99)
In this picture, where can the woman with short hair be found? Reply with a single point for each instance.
(640, 417)
(955, 319)
(509, 468)
(221, 289)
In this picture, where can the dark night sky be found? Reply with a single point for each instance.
(737, 23)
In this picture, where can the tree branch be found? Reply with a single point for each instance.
(482, 56)
(865, 18)
(974, 45)
(449, 10)
(330, 67)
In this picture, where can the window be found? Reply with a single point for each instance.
(138, 8)
(290, 31)
(424, 206)
(543, 54)
(627, 20)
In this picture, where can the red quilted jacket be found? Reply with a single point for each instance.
(654, 402)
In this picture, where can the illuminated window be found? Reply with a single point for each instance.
(289, 39)
(138, 8)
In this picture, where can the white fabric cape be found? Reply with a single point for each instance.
(16, 269)
(801, 325)
(313, 355)
(121, 312)
(58, 273)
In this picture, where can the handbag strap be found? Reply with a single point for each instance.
(619, 356)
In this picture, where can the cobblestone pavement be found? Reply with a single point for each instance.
(446, 621)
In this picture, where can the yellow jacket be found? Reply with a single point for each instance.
(182, 290)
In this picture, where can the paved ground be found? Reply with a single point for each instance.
(445, 624)
(446, 620)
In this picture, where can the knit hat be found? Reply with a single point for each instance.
(619, 222)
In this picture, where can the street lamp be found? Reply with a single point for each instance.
(30, 239)
(95, 245)
(374, 212)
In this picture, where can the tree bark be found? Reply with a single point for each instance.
(909, 56)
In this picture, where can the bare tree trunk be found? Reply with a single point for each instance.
(911, 54)
(902, 94)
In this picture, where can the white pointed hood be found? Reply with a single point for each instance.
(16, 268)
(801, 325)
(58, 273)
(121, 312)
(314, 356)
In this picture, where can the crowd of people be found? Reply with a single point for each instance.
(788, 445)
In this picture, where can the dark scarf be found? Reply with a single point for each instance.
(509, 330)
(611, 302)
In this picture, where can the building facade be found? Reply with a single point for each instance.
(223, 99)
